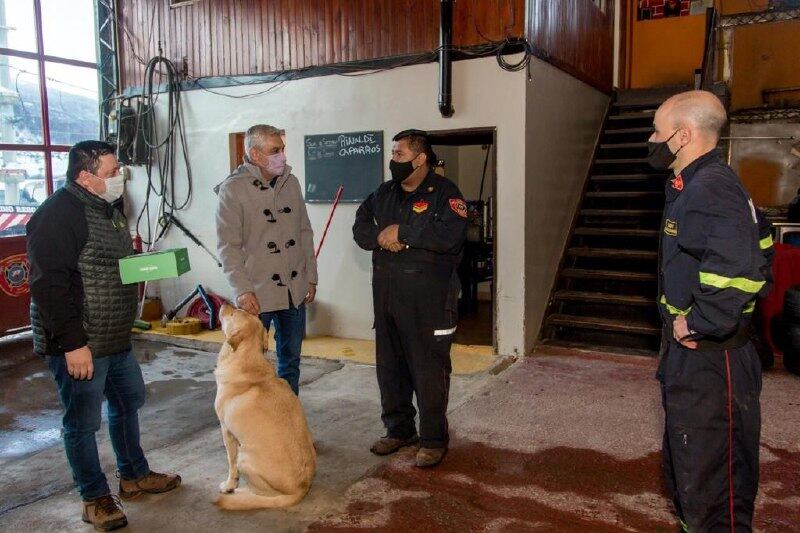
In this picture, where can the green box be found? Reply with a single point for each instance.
(154, 265)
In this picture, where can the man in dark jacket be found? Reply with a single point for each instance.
(82, 315)
(415, 226)
(713, 264)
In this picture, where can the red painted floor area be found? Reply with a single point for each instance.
(564, 443)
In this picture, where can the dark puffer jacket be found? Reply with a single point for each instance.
(75, 240)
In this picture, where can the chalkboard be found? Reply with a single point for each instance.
(355, 160)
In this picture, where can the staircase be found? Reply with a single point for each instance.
(604, 297)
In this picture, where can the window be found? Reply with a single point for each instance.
(49, 96)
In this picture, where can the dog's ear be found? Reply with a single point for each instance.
(235, 335)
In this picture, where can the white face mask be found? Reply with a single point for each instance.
(115, 186)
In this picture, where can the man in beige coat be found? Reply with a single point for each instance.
(266, 244)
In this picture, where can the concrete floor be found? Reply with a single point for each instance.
(553, 443)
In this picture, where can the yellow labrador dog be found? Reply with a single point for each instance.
(263, 425)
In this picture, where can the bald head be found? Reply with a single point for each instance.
(701, 111)
(690, 124)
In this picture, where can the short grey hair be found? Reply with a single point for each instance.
(255, 136)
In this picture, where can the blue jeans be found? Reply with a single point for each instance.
(118, 378)
(290, 326)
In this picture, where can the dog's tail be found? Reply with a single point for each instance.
(245, 500)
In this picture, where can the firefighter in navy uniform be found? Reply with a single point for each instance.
(713, 264)
(415, 226)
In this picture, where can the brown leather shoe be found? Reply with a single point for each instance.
(104, 513)
(427, 457)
(152, 483)
(389, 445)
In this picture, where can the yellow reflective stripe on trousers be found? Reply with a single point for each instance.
(673, 310)
(721, 282)
(749, 308)
(766, 242)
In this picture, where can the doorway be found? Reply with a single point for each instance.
(467, 158)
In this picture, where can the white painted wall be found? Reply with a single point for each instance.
(484, 96)
(564, 116)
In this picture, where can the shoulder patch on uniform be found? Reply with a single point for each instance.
(459, 207)
(671, 228)
(677, 182)
(420, 206)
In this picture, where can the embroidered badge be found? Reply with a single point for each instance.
(459, 207)
(677, 183)
(14, 273)
(420, 207)
(671, 228)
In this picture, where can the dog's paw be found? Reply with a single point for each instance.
(228, 486)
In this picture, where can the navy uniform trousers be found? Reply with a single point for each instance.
(711, 438)
(415, 319)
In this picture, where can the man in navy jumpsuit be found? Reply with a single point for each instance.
(415, 226)
(713, 264)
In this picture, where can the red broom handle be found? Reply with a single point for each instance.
(330, 217)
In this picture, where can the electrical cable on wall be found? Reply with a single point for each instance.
(163, 151)
(496, 48)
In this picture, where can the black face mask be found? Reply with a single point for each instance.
(659, 156)
(400, 171)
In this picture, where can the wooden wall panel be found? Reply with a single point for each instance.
(240, 37)
(577, 36)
